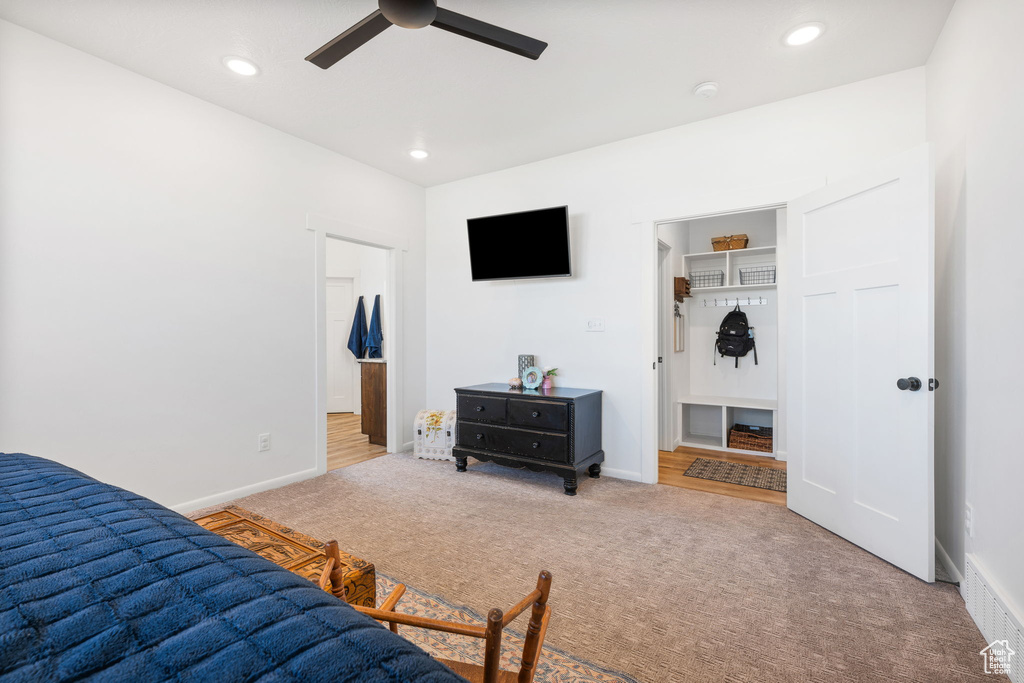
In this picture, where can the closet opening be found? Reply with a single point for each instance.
(356, 298)
(718, 305)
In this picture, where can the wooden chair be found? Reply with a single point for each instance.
(331, 581)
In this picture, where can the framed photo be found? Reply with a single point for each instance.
(532, 377)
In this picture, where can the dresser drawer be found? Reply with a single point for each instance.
(541, 414)
(481, 408)
(529, 444)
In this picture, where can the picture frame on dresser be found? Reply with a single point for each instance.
(557, 430)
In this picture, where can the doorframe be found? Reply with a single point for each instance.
(666, 418)
(697, 205)
(395, 246)
(353, 278)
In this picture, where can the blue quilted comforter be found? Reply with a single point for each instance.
(98, 582)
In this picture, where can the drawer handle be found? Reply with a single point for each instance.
(535, 413)
(479, 436)
(479, 409)
(536, 444)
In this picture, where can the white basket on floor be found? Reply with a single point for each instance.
(434, 434)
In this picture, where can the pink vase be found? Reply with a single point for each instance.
(547, 384)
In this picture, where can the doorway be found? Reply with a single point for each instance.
(855, 264)
(719, 415)
(357, 345)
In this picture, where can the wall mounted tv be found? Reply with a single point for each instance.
(520, 245)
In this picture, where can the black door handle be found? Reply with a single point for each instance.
(912, 383)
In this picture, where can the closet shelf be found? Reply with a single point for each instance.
(734, 252)
(695, 292)
(728, 402)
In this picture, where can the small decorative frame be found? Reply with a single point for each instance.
(532, 377)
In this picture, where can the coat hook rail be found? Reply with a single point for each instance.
(732, 303)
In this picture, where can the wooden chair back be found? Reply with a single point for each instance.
(491, 633)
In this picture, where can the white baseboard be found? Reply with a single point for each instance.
(995, 617)
(781, 455)
(225, 496)
(406, 447)
(947, 562)
(619, 474)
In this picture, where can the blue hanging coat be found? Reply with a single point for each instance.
(357, 337)
(375, 337)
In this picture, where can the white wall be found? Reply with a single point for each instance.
(157, 277)
(975, 115)
(475, 330)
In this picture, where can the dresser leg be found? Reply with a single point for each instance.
(594, 470)
(569, 484)
(460, 464)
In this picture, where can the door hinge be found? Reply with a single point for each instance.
(659, 359)
(933, 384)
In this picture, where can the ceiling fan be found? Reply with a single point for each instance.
(417, 14)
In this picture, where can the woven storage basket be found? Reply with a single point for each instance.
(729, 242)
(750, 438)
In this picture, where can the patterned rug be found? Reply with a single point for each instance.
(302, 554)
(554, 666)
(733, 473)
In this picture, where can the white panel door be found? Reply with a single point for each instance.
(341, 364)
(859, 300)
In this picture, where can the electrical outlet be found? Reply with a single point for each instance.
(595, 325)
(263, 443)
(969, 520)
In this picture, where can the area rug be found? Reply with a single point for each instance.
(734, 473)
(302, 554)
(555, 666)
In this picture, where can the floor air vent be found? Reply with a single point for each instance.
(993, 617)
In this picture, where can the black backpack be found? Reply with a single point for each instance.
(735, 336)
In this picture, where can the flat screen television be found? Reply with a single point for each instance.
(520, 245)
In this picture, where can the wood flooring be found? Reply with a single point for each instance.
(346, 444)
(671, 466)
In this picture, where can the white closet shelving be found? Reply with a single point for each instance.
(729, 262)
(713, 397)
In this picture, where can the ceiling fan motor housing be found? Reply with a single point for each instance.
(409, 13)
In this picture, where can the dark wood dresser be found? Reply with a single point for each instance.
(374, 399)
(557, 430)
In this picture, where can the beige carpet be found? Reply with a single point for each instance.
(663, 583)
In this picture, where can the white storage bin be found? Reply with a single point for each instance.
(434, 434)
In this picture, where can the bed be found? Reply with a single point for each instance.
(98, 582)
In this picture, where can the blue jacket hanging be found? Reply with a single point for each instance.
(357, 337)
(375, 337)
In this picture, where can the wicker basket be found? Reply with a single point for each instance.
(748, 438)
(729, 242)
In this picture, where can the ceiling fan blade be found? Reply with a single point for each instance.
(495, 36)
(349, 41)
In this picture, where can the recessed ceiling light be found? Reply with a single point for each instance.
(705, 90)
(804, 33)
(419, 153)
(241, 66)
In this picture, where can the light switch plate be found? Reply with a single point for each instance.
(595, 325)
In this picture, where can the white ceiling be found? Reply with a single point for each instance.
(613, 69)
